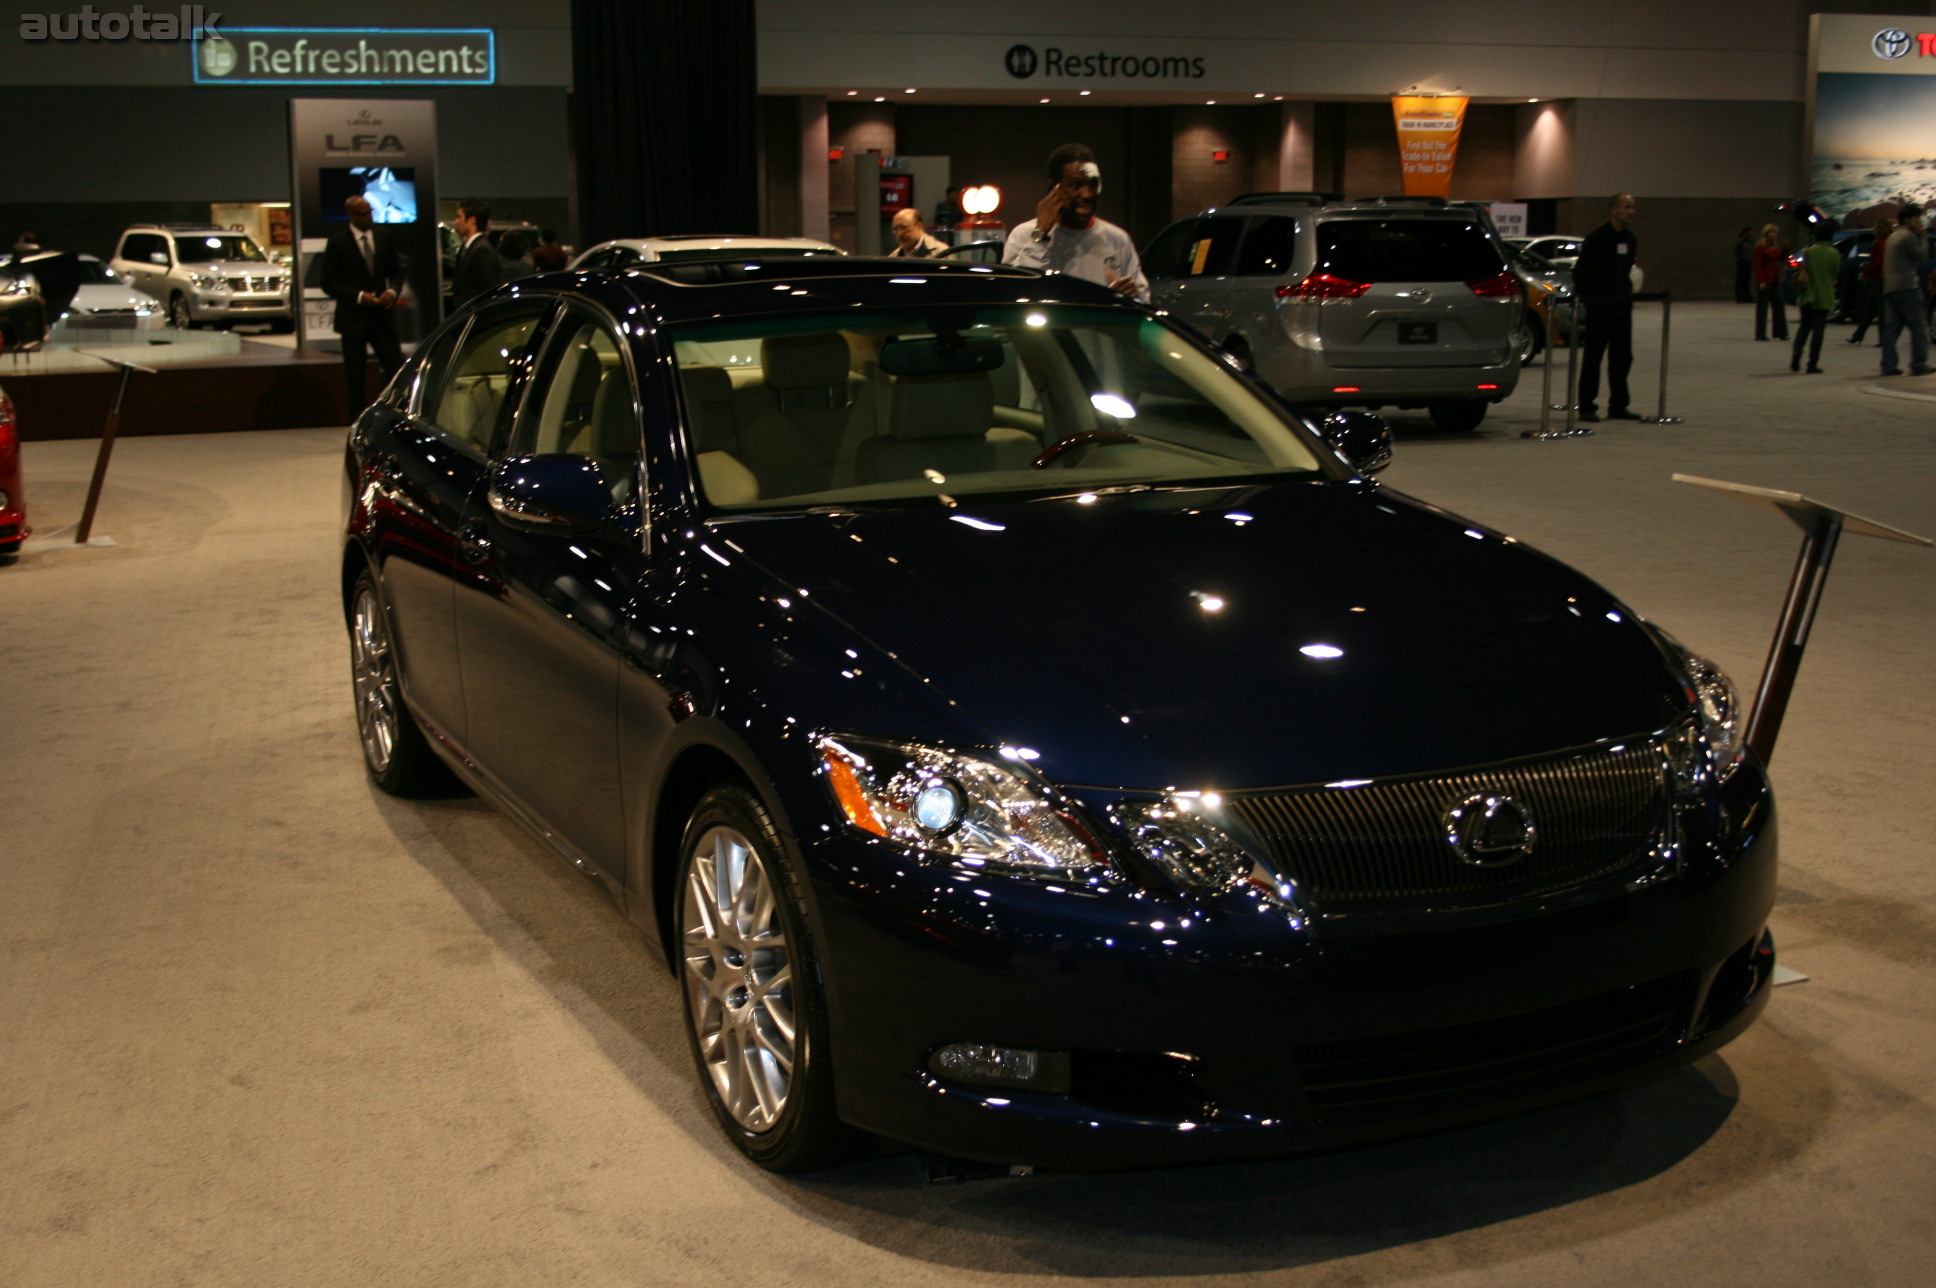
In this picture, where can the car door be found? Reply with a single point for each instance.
(427, 466)
(1193, 259)
(537, 629)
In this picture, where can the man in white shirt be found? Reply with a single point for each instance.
(1066, 237)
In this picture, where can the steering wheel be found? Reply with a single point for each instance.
(1092, 438)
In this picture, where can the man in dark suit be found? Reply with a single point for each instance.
(361, 273)
(478, 267)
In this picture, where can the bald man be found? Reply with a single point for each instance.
(362, 274)
(915, 242)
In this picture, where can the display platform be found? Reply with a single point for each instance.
(204, 382)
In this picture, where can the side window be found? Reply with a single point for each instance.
(432, 367)
(1268, 247)
(491, 356)
(582, 405)
(1169, 254)
(1215, 248)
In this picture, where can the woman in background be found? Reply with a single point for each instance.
(1768, 263)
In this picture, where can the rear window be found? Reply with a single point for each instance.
(1406, 250)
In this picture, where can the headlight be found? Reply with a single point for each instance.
(964, 807)
(1178, 835)
(1723, 722)
(209, 282)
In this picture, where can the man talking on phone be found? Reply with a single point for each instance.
(1066, 237)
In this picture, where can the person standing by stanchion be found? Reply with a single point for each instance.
(1821, 265)
(1603, 277)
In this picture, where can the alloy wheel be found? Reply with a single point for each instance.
(739, 978)
(178, 313)
(374, 671)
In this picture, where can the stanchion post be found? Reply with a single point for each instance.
(1666, 331)
(1573, 343)
(108, 433)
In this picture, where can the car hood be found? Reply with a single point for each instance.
(98, 297)
(1229, 637)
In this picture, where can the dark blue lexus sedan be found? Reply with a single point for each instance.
(1028, 738)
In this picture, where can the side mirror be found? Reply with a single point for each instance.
(558, 494)
(1362, 439)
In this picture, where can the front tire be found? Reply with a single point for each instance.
(1459, 415)
(395, 751)
(754, 1011)
(178, 314)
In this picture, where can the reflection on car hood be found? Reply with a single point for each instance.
(1230, 637)
(99, 297)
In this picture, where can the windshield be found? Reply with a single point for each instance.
(796, 411)
(206, 248)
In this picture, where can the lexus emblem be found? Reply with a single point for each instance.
(1891, 42)
(1021, 61)
(1490, 831)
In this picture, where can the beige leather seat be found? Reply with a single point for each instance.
(941, 423)
(793, 424)
(714, 431)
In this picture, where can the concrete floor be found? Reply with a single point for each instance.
(261, 1025)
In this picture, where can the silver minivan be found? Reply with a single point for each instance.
(1399, 302)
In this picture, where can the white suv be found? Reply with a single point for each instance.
(205, 275)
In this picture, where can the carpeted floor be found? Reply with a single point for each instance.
(260, 1025)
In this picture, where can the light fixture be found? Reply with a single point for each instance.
(1043, 100)
(982, 200)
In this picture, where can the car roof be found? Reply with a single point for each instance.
(724, 289)
(717, 241)
(1327, 204)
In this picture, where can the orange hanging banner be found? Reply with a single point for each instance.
(1428, 140)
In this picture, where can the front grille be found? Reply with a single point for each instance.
(1409, 1075)
(1381, 846)
(255, 283)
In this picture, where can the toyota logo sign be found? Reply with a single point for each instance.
(1021, 61)
(1891, 42)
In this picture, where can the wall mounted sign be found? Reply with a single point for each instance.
(1428, 140)
(347, 56)
(1871, 95)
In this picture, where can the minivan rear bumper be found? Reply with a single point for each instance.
(1397, 386)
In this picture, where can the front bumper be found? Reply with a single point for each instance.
(1200, 1032)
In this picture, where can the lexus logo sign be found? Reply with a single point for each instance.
(1021, 61)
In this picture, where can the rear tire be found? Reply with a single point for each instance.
(748, 979)
(1530, 340)
(1459, 415)
(395, 751)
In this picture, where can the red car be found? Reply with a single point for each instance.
(13, 503)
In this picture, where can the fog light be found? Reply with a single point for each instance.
(998, 1066)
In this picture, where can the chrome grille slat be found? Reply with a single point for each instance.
(1381, 847)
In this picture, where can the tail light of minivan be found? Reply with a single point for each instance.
(1323, 286)
(1496, 288)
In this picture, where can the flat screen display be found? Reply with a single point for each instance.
(390, 190)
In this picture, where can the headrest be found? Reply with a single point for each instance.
(804, 362)
(941, 407)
